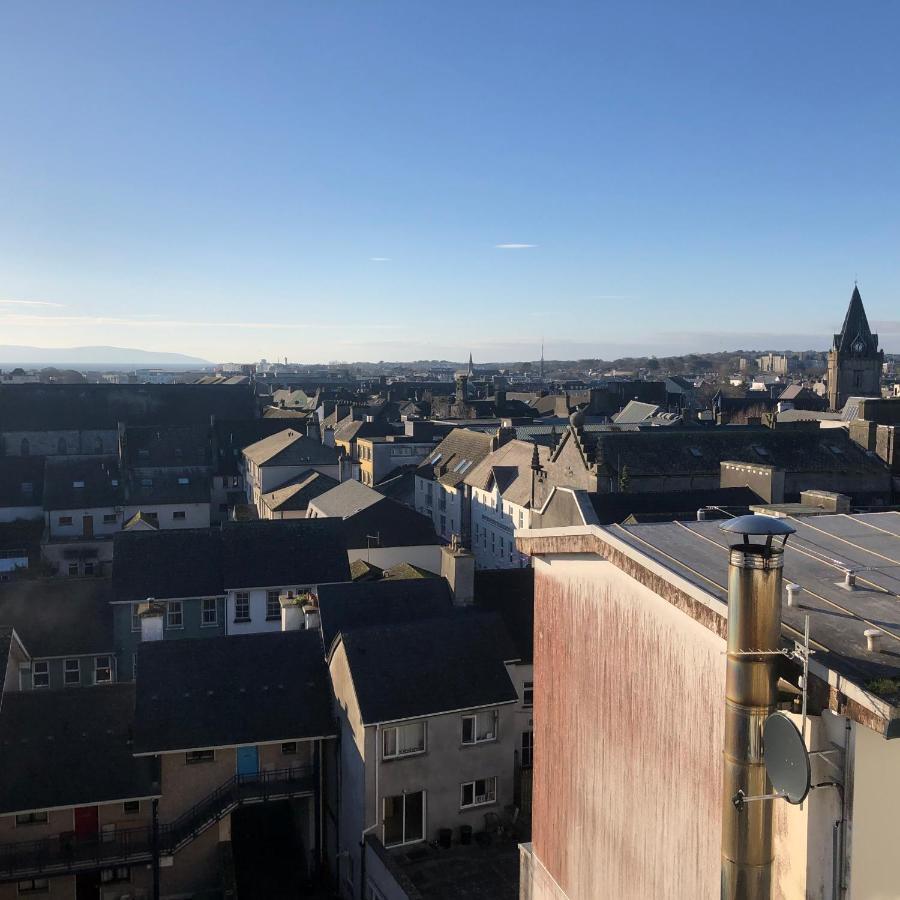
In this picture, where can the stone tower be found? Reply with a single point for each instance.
(854, 361)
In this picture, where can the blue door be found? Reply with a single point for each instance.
(247, 760)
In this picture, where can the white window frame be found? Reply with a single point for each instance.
(107, 668)
(174, 614)
(392, 734)
(179, 515)
(26, 820)
(135, 618)
(528, 693)
(403, 842)
(238, 602)
(38, 886)
(67, 671)
(271, 617)
(198, 757)
(474, 717)
(487, 798)
(527, 746)
(203, 611)
(44, 673)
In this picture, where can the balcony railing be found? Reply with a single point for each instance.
(62, 853)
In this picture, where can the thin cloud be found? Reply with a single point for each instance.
(379, 259)
(29, 303)
(514, 246)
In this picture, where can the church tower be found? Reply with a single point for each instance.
(854, 361)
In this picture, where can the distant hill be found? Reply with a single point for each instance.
(16, 355)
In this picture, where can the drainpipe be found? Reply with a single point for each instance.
(754, 642)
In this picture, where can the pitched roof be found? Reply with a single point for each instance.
(510, 594)
(21, 481)
(856, 337)
(509, 468)
(59, 616)
(387, 523)
(359, 604)
(288, 552)
(350, 430)
(231, 436)
(455, 455)
(167, 564)
(299, 492)
(360, 570)
(422, 668)
(406, 570)
(241, 689)
(346, 499)
(52, 744)
(290, 448)
(82, 482)
(173, 445)
(635, 412)
(167, 486)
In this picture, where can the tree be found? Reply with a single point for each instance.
(624, 480)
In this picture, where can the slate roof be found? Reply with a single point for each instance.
(51, 407)
(167, 486)
(174, 445)
(71, 748)
(16, 471)
(411, 669)
(406, 570)
(291, 551)
(635, 412)
(510, 594)
(359, 604)
(461, 446)
(290, 448)
(346, 499)
(388, 523)
(349, 431)
(102, 485)
(671, 505)
(227, 691)
(167, 564)
(360, 570)
(59, 616)
(299, 492)
(231, 436)
(856, 328)
(509, 468)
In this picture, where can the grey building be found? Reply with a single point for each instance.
(854, 361)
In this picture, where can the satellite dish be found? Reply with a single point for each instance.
(786, 758)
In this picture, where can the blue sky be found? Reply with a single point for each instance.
(335, 180)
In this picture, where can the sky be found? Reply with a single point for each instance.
(407, 179)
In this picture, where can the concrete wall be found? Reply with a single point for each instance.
(628, 737)
(196, 515)
(452, 517)
(48, 443)
(56, 669)
(494, 521)
(258, 621)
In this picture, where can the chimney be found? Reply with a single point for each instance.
(152, 615)
(754, 637)
(458, 567)
(873, 638)
(299, 611)
(505, 434)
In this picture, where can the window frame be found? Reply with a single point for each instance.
(67, 671)
(64, 521)
(134, 811)
(35, 889)
(179, 515)
(203, 611)
(26, 820)
(395, 730)
(528, 694)
(135, 617)
(404, 797)
(289, 748)
(242, 599)
(174, 608)
(273, 616)
(527, 749)
(45, 673)
(491, 781)
(473, 716)
(198, 757)
(107, 668)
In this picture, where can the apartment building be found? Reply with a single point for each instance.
(381, 457)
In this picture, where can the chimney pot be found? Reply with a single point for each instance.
(793, 593)
(873, 639)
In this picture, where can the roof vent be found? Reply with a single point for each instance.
(873, 638)
(793, 593)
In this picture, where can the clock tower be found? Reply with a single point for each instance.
(854, 361)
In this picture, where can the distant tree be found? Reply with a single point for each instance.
(624, 480)
(653, 364)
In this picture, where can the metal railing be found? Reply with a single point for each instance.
(64, 852)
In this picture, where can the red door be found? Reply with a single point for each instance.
(86, 822)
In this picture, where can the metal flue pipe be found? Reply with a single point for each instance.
(754, 639)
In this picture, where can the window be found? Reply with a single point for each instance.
(147, 482)
(184, 481)
(40, 674)
(131, 807)
(174, 614)
(242, 606)
(199, 756)
(102, 670)
(88, 568)
(528, 694)
(32, 818)
(527, 749)
(404, 819)
(65, 520)
(521, 519)
(109, 518)
(135, 618)
(27, 487)
(72, 672)
(403, 740)
(143, 453)
(108, 833)
(118, 873)
(77, 484)
(25, 447)
(443, 524)
(73, 568)
(209, 611)
(478, 792)
(479, 727)
(273, 607)
(179, 514)
(33, 886)
(289, 748)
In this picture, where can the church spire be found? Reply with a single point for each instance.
(471, 366)
(856, 337)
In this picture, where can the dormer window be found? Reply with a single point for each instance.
(27, 487)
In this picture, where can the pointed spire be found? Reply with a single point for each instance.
(856, 337)
(535, 459)
(471, 366)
